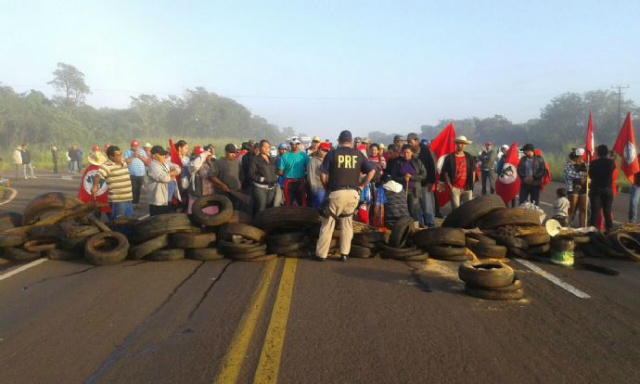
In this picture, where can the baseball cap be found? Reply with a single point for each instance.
(283, 146)
(157, 149)
(147, 145)
(381, 146)
(412, 136)
(295, 140)
(325, 146)
(528, 147)
(345, 137)
(198, 150)
(230, 148)
(95, 148)
(358, 140)
(579, 151)
(504, 146)
(397, 137)
(316, 138)
(134, 143)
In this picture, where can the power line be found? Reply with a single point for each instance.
(620, 88)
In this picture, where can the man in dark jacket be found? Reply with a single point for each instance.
(488, 164)
(427, 157)
(531, 170)
(409, 172)
(458, 171)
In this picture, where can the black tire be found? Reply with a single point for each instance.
(446, 252)
(286, 249)
(247, 255)
(512, 242)
(46, 232)
(10, 220)
(244, 230)
(469, 242)
(61, 254)
(297, 217)
(222, 202)
(40, 245)
(16, 240)
(488, 251)
(515, 284)
(106, 248)
(364, 243)
(510, 216)
(536, 239)
(387, 249)
(204, 254)
(467, 214)
(74, 244)
(148, 247)
(284, 238)
(360, 252)
(80, 230)
(48, 202)
(605, 246)
(484, 239)
(539, 249)
(401, 232)
(486, 274)
(166, 255)
(245, 246)
(626, 244)
(439, 236)
(155, 226)
(17, 254)
(192, 240)
(489, 294)
(369, 237)
(421, 257)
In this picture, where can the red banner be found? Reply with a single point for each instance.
(441, 146)
(625, 147)
(590, 143)
(508, 182)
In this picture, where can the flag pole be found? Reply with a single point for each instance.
(584, 224)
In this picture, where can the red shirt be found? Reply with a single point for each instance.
(461, 173)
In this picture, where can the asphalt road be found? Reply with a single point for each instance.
(298, 321)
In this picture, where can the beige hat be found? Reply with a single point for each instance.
(148, 145)
(97, 158)
(462, 139)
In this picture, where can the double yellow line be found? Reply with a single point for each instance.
(269, 363)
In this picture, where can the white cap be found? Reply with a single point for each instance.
(504, 146)
(579, 151)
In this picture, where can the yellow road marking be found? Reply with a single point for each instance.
(269, 364)
(232, 363)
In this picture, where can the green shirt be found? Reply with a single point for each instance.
(294, 165)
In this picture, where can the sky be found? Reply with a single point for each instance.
(323, 66)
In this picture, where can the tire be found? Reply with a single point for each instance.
(488, 251)
(155, 226)
(4, 261)
(166, 255)
(248, 255)
(204, 254)
(241, 217)
(515, 284)
(512, 242)
(61, 254)
(626, 244)
(370, 237)
(400, 232)
(74, 244)
(536, 239)
(510, 216)
(470, 242)
(260, 258)
(80, 230)
(300, 255)
(486, 274)
(285, 238)
(285, 249)
(581, 239)
(494, 295)
(40, 245)
(365, 244)
(539, 249)
(143, 250)
(46, 232)
(297, 217)
(95, 253)
(421, 257)
(484, 239)
(605, 246)
(17, 254)
(244, 230)
(246, 246)
(439, 236)
(466, 215)
(445, 252)
(48, 202)
(192, 240)
(10, 220)
(222, 202)
(387, 249)
(360, 252)
(16, 240)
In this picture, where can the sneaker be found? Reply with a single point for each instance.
(344, 258)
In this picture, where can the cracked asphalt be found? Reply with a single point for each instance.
(357, 322)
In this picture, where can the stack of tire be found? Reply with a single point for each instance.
(621, 244)
(243, 242)
(366, 243)
(490, 280)
(443, 243)
(400, 245)
(484, 247)
(289, 231)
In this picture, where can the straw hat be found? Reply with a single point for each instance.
(97, 158)
(462, 139)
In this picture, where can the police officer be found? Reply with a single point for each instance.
(340, 174)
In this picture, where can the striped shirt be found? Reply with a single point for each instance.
(118, 181)
(137, 166)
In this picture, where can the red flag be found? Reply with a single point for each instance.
(625, 147)
(508, 183)
(86, 184)
(175, 156)
(546, 179)
(441, 146)
(590, 143)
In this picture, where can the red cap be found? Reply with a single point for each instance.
(361, 147)
(197, 150)
(134, 143)
(95, 148)
(324, 146)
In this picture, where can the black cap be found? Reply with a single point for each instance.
(157, 149)
(229, 148)
(397, 137)
(528, 147)
(358, 139)
(345, 137)
(412, 136)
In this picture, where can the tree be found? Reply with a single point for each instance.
(69, 81)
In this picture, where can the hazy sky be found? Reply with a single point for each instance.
(321, 66)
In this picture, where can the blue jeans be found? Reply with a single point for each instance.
(634, 198)
(122, 208)
(318, 198)
(427, 204)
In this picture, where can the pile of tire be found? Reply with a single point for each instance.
(243, 242)
(366, 243)
(621, 244)
(400, 245)
(490, 280)
(443, 243)
(289, 231)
